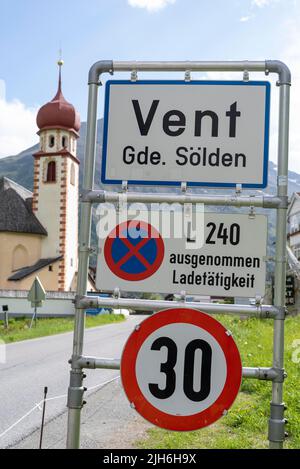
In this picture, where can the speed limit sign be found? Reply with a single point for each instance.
(181, 369)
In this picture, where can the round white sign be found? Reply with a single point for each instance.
(181, 369)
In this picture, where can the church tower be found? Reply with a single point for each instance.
(56, 179)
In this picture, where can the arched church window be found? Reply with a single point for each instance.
(19, 257)
(51, 172)
(72, 178)
(51, 141)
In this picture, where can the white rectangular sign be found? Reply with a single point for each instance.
(204, 133)
(223, 255)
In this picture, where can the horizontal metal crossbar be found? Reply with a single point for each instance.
(103, 363)
(100, 196)
(170, 66)
(267, 374)
(258, 311)
(267, 66)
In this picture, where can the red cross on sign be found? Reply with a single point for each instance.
(134, 250)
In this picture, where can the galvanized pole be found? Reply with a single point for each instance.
(76, 390)
(277, 422)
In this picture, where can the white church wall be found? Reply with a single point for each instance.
(56, 202)
(56, 303)
(49, 209)
(71, 257)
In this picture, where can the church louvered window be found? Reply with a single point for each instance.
(51, 172)
(51, 141)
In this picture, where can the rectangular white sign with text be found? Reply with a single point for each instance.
(216, 254)
(203, 133)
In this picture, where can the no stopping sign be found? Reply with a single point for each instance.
(134, 250)
(181, 369)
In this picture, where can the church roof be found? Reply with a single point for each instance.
(58, 113)
(16, 214)
(26, 271)
(295, 197)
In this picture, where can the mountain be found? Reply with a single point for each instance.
(19, 168)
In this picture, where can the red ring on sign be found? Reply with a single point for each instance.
(143, 406)
(153, 234)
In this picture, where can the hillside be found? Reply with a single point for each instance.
(20, 167)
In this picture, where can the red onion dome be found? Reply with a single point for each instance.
(58, 113)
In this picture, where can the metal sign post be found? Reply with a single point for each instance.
(276, 422)
(279, 202)
(36, 296)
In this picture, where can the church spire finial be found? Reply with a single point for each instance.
(58, 113)
(60, 63)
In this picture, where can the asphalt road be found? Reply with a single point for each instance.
(32, 365)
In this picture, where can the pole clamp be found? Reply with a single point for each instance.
(280, 83)
(276, 375)
(87, 249)
(124, 186)
(246, 76)
(251, 214)
(277, 423)
(182, 296)
(76, 390)
(89, 196)
(78, 301)
(281, 312)
(282, 180)
(187, 75)
(77, 362)
(84, 196)
(284, 201)
(238, 189)
(117, 293)
(134, 75)
(279, 373)
(183, 187)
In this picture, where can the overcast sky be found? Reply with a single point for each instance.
(32, 32)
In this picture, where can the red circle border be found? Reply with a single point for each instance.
(143, 275)
(231, 386)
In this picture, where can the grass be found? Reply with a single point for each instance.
(246, 424)
(19, 327)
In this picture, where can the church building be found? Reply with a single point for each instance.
(39, 230)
